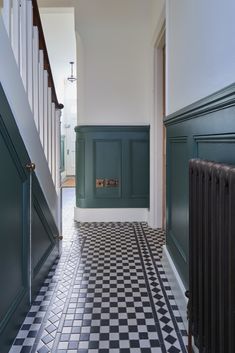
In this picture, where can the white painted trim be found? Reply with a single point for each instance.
(110, 214)
(49, 126)
(156, 146)
(46, 8)
(23, 43)
(6, 15)
(53, 139)
(176, 284)
(54, 4)
(35, 78)
(41, 95)
(16, 30)
(156, 129)
(57, 149)
(45, 113)
(132, 123)
(18, 101)
(159, 26)
(30, 53)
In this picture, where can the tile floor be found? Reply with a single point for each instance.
(107, 293)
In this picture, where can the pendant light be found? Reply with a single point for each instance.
(71, 78)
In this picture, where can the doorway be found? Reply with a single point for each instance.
(69, 122)
(61, 58)
(159, 133)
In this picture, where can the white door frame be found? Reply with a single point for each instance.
(70, 146)
(156, 129)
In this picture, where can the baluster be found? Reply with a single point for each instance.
(57, 136)
(53, 119)
(49, 153)
(6, 14)
(45, 115)
(16, 30)
(23, 25)
(41, 96)
(23, 42)
(36, 76)
(30, 53)
(55, 147)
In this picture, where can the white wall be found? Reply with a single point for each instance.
(158, 8)
(116, 41)
(114, 36)
(59, 31)
(200, 49)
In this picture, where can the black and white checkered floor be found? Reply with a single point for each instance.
(107, 293)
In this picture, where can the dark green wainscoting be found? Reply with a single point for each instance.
(14, 229)
(112, 166)
(44, 237)
(206, 130)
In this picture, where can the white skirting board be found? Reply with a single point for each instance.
(110, 214)
(177, 287)
(176, 284)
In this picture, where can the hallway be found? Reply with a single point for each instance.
(108, 293)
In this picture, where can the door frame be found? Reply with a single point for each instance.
(157, 176)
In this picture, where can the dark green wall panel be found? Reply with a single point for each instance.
(206, 130)
(11, 241)
(45, 247)
(139, 157)
(80, 174)
(177, 198)
(15, 227)
(107, 164)
(41, 240)
(112, 152)
(220, 148)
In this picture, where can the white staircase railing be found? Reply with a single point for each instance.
(24, 28)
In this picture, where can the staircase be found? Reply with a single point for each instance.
(30, 163)
(25, 34)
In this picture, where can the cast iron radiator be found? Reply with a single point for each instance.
(212, 256)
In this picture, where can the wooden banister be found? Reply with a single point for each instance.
(42, 45)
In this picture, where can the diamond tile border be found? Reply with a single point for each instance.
(73, 314)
